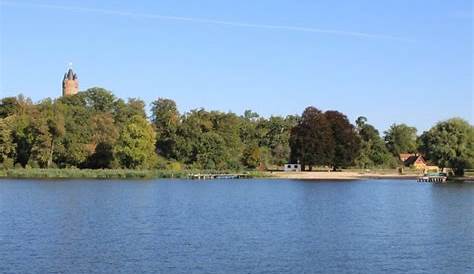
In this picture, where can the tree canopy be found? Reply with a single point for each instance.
(450, 144)
(311, 140)
(401, 139)
(95, 129)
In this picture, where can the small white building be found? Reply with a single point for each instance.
(292, 168)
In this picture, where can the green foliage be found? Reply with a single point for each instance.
(70, 173)
(95, 130)
(450, 144)
(7, 145)
(166, 119)
(275, 138)
(99, 99)
(401, 139)
(135, 147)
(8, 106)
(346, 140)
(373, 152)
(252, 156)
(209, 140)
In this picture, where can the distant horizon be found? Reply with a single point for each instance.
(392, 63)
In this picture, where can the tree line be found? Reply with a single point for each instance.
(96, 130)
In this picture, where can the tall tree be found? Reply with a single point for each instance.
(41, 146)
(346, 140)
(373, 152)
(401, 139)
(76, 144)
(311, 140)
(7, 145)
(450, 144)
(166, 119)
(8, 106)
(52, 113)
(99, 99)
(104, 137)
(136, 145)
(276, 138)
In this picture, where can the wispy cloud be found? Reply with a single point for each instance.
(202, 20)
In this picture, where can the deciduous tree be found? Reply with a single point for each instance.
(311, 140)
(401, 139)
(136, 145)
(346, 140)
(450, 144)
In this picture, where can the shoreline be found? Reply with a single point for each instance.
(339, 175)
(126, 174)
(350, 175)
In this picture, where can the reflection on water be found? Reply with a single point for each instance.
(246, 226)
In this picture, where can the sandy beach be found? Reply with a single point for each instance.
(340, 175)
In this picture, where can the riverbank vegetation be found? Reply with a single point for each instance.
(94, 130)
(75, 173)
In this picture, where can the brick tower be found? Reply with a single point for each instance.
(70, 83)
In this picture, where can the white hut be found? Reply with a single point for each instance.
(292, 168)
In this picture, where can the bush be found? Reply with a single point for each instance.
(7, 163)
(174, 166)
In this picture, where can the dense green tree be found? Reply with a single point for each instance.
(346, 140)
(166, 119)
(8, 106)
(22, 118)
(94, 129)
(52, 114)
(450, 144)
(122, 111)
(373, 152)
(227, 126)
(104, 136)
(194, 137)
(103, 156)
(311, 140)
(210, 152)
(76, 144)
(99, 99)
(136, 106)
(41, 145)
(136, 144)
(276, 138)
(252, 156)
(401, 139)
(7, 145)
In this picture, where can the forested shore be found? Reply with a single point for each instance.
(95, 130)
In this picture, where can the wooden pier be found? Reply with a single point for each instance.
(201, 176)
(433, 179)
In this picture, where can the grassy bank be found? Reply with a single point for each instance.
(36, 173)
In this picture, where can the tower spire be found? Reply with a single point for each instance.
(70, 82)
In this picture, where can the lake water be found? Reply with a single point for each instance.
(242, 226)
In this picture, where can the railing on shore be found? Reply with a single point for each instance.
(200, 176)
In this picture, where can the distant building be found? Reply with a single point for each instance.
(292, 168)
(416, 161)
(70, 83)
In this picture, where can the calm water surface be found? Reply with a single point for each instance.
(246, 226)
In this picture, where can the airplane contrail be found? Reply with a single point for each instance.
(203, 20)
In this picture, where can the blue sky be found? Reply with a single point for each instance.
(391, 61)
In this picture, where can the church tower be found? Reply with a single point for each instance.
(70, 83)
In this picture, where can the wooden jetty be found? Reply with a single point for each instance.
(201, 176)
(433, 178)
